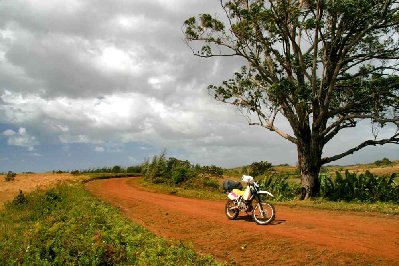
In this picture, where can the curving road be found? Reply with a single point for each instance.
(298, 236)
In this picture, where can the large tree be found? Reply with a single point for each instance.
(323, 65)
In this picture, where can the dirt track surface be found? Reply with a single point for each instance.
(299, 236)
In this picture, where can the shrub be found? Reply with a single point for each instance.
(212, 170)
(156, 168)
(258, 168)
(20, 199)
(384, 161)
(179, 175)
(10, 176)
(280, 188)
(210, 183)
(168, 170)
(363, 187)
(134, 169)
(116, 169)
(75, 172)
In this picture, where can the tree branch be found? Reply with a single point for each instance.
(394, 140)
(277, 130)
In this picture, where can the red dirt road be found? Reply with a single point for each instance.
(299, 236)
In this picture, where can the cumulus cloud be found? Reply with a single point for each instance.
(99, 149)
(20, 138)
(110, 73)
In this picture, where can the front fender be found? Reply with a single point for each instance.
(265, 192)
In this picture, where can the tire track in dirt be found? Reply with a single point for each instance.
(298, 235)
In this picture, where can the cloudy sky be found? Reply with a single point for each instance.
(87, 83)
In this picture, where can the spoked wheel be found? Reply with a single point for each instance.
(231, 210)
(263, 213)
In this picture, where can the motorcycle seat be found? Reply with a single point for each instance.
(238, 192)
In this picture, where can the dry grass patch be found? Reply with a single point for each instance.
(31, 182)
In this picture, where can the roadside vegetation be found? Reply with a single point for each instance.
(67, 226)
(178, 173)
(353, 188)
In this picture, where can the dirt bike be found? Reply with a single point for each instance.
(249, 201)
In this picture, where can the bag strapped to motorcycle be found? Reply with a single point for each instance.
(229, 185)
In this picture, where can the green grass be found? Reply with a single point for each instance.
(318, 203)
(67, 226)
(208, 194)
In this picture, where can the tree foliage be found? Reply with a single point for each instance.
(257, 168)
(172, 171)
(324, 65)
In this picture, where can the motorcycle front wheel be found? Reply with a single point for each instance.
(231, 210)
(263, 213)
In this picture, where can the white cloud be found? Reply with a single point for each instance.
(20, 138)
(9, 132)
(108, 73)
(99, 149)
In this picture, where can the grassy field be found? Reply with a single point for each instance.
(66, 226)
(54, 221)
(31, 182)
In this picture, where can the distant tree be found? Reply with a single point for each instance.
(212, 170)
(384, 161)
(323, 65)
(116, 169)
(10, 176)
(134, 169)
(259, 168)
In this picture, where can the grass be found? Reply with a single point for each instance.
(361, 207)
(67, 226)
(208, 194)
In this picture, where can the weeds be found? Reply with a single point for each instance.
(66, 226)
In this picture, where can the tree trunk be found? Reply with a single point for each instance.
(309, 163)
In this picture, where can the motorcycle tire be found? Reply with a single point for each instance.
(263, 215)
(231, 210)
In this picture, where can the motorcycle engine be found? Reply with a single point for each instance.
(244, 206)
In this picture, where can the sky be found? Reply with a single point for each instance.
(87, 84)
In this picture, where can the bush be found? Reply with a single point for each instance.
(280, 188)
(212, 170)
(75, 172)
(258, 168)
(363, 187)
(155, 169)
(134, 169)
(384, 161)
(179, 175)
(210, 183)
(168, 170)
(117, 169)
(10, 176)
(20, 199)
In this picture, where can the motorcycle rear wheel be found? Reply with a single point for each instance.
(263, 213)
(231, 210)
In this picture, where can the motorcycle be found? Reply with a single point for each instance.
(249, 201)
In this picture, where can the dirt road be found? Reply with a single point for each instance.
(299, 236)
